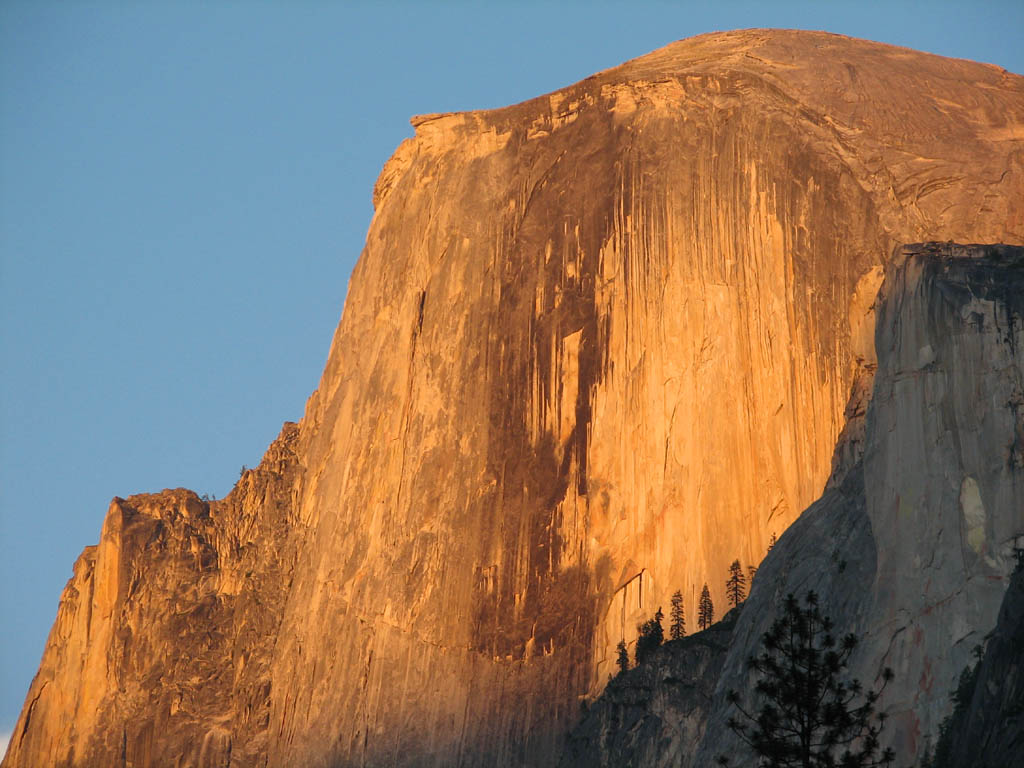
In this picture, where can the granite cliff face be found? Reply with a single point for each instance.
(598, 345)
(160, 651)
(898, 552)
(912, 550)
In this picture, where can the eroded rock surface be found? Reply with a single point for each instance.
(598, 345)
(653, 714)
(949, 412)
(912, 553)
(160, 651)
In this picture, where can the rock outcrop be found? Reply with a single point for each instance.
(598, 345)
(653, 714)
(946, 405)
(161, 648)
(912, 549)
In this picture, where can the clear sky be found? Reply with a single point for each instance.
(185, 188)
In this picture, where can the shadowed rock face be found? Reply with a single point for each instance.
(653, 714)
(912, 549)
(598, 345)
(897, 552)
(990, 731)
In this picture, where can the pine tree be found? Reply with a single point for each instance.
(771, 542)
(623, 656)
(752, 570)
(810, 715)
(651, 637)
(736, 584)
(706, 609)
(678, 626)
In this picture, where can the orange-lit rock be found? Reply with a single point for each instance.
(160, 652)
(598, 345)
(912, 550)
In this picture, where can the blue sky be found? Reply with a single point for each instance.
(185, 188)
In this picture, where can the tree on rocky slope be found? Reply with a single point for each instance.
(651, 637)
(622, 656)
(705, 609)
(961, 698)
(736, 584)
(677, 627)
(811, 715)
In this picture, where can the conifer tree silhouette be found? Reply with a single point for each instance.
(705, 610)
(736, 584)
(623, 656)
(677, 628)
(651, 636)
(810, 716)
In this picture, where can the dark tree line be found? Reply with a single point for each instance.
(650, 634)
(651, 637)
(961, 698)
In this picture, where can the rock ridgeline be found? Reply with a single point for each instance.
(160, 651)
(598, 345)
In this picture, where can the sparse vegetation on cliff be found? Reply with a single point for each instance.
(961, 698)
(736, 584)
(706, 609)
(986, 725)
(677, 628)
(622, 656)
(810, 715)
(651, 637)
